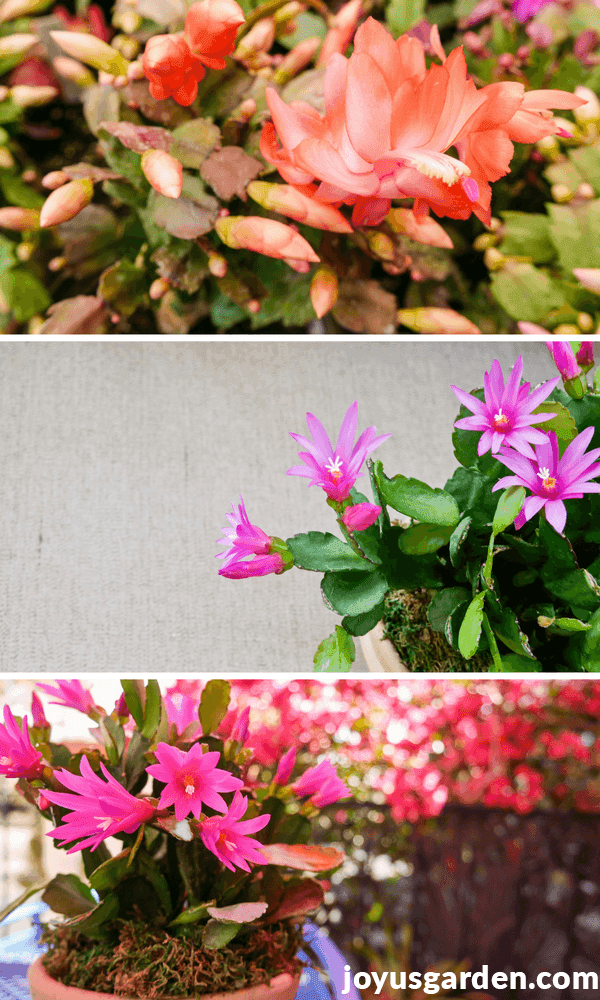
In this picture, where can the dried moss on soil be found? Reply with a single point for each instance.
(149, 962)
(422, 649)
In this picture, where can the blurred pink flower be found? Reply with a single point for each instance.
(182, 710)
(37, 712)
(71, 694)
(550, 478)
(360, 516)
(192, 779)
(322, 784)
(99, 809)
(335, 470)
(18, 758)
(227, 837)
(390, 122)
(285, 767)
(506, 415)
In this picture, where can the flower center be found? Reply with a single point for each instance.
(501, 422)
(227, 845)
(5, 760)
(548, 481)
(189, 784)
(103, 822)
(333, 466)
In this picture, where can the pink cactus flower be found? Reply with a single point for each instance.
(552, 479)
(506, 416)
(192, 779)
(227, 837)
(285, 767)
(585, 354)
(18, 758)
(99, 809)
(335, 469)
(564, 358)
(322, 784)
(72, 694)
(181, 710)
(390, 122)
(360, 516)
(171, 69)
(249, 548)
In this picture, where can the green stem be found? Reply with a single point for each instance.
(272, 6)
(487, 628)
(487, 569)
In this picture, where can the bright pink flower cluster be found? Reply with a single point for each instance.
(18, 758)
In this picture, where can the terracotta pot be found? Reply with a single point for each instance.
(381, 654)
(43, 987)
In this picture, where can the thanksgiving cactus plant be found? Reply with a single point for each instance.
(209, 875)
(509, 564)
(205, 166)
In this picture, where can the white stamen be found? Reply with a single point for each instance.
(103, 822)
(544, 473)
(190, 789)
(333, 465)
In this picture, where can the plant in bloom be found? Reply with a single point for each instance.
(335, 469)
(506, 414)
(18, 758)
(227, 836)
(389, 123)
(98, 809)
(552, 479)
(249, 549)
(192, 779)
(71, 694)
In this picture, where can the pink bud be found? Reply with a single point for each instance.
(266, 236)
(589, 277)
(163, 171)
(260, 38)
(253, 306)
(19, 219)
(285, 767)
(66, 202)
(121, 708)
(339, 35)
(431, 319)
(585, 354)
(532, 329)
(299, 266)
(323, 290)
(360, 516)
(217, 265)
(37, 711)
(240, 728)
(422, 230)
(564, 358)
(42, 802)
(541, 35)
(158, 288)
(33, 97)
(299, 204)
(55, 179)
(297, 59)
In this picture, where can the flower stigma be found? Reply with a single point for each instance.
(501, 421)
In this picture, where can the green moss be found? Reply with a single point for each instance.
(422, 649)
(150, 962)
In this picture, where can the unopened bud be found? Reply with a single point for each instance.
(11, 9)
(25, 251)
(300, 266)
(128, 47)
(586, 191)
(566, 330)
(33, 328)
(549, 148)
(323, 290)
(260, 38)
(485, 240)
(431, 319)
(588, 113)
(56, 264)
(254, 306)
(288, 12)
(20, 220)
(29, 176)
(523, 52)
(55, 179)
(135, 70)
(3, 93)
(495, 224)
(296, 60)
(7, 160)
(589, 277)
(298, 205)
(381, 245)
(163, 172)
(158, 288)
(92, 51)
(17, 44)
(72, 69)
(66, 202)
(266, 236)
(33, 97)
(493, 259)
(129, 21)
(561, 193)
(217, 265)
(585, 322)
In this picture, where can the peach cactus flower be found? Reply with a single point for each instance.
(210, 30)
(390, 121)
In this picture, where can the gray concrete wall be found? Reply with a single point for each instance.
(119, 460)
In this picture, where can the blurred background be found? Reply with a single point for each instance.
(120, 461)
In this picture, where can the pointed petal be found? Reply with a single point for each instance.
(556, 514)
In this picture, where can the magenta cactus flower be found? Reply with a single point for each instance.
(335, 469)
(360, 516)
(585, 354)
(322, 784)
(564, 358)
(506, 415)
(192, 779)
(99, 809)
(552, 479)
(71, 694)
(249, 548)
(227, 838)
(18, 758)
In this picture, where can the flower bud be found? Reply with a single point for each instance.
(485, 240)
(339, 35)
(323, 290)
(589, 277)
(532, 329)
(260, 38)
(26, 250)
(66, 202)
(158, 288)
(92, 51)
(360, 516)
(285, 767)
(541, 35)
(588, 113)
(561, 193)
(11, 9)
(217, 265)
(296, 60)
(7, 160)
(253, 306)
(55, 179)
(72, 69)
(266, 236)
(163, 172)
(566, 330)
(549, 148)
(424, 230)
(300, 266)
(19, 219)
(56, 264)
(585, 323)
(33, 97)
(585, 354)
(493, 259)
(17, 44)
(431, 319)
(298, 205)
(381, 245)
(135, 70)
(564, 358)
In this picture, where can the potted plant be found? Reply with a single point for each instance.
(502, 571)
(209, 890)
